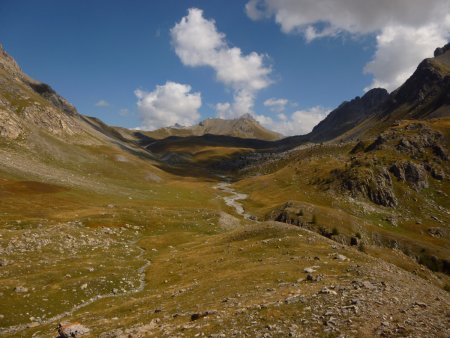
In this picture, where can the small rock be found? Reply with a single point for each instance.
(420, 304)
(294, 299)
(340, 257)
(21, 289)
(327, 291)
(368, 285)
(196, 316)
(84, 286)
(68, 330)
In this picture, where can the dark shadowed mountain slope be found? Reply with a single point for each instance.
(425, 95)
(348, 115)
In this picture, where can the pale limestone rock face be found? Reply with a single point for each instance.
(26, 105)
(9, 128)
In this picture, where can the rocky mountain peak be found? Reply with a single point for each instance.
(177, 126)
(427, 88)
(442, 50)
(349, 114)
(375, 95)
(247, 116)
(244, 126)
(27, 104)
(8, 63)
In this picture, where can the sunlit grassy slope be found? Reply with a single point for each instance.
(307, 178)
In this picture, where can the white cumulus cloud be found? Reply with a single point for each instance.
(299, 122)
(167, 105)
(276, 105)
(406, 30)
(197, 42)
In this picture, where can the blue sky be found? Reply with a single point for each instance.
(108, 57)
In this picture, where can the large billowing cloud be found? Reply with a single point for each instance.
(406, 30)
(197, 42)
(168, 105)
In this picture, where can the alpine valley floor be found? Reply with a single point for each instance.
(112, 233)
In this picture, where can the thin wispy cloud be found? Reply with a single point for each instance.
(276, 105)
(102, 104)
(124, 112)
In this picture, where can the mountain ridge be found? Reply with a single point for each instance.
(245, 127)
(348, 114)
(424, 95)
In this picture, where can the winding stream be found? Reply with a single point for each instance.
(233, 199)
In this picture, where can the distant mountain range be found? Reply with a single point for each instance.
(243, 127)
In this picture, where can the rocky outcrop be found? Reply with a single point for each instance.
(291, 212)
(415, 140)
(435, 171)
(49, 94)
(372, 183)
(377, 144)
(9, 127)
(8, 64)
(414, 174)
